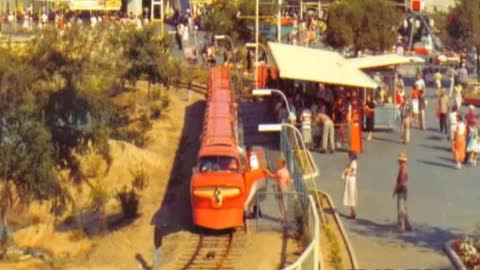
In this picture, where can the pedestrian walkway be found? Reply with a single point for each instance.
(443, 202)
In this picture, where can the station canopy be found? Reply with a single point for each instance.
(317, 65)
(95, 5)
(384, 60)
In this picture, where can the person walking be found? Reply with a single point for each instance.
(350, 176)
(401, 192)
(473, 146)
(370, 116)
(443, 107)
(405, 114)
(459, 145)
(328, 137)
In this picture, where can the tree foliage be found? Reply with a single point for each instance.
(463, 24)
(463, 27)
(229, 17)
(59, 97)
(362, 24)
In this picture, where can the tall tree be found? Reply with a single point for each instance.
(26, 150)
(362, 24)
(463, 27)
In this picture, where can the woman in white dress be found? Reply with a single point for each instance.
(350, 176)
(452, 119)
(473, 146)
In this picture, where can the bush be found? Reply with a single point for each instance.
(140, 178)
(156, 109)
(129, 202)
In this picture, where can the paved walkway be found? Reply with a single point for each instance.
(443, 201)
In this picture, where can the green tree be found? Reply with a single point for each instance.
(26, 150)
(463, 27)
(362, 24)
(224, 18)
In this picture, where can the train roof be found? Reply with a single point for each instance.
(219, 150)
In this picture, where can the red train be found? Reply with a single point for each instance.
(222, 179)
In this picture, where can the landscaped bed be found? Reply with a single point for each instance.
(468, 251)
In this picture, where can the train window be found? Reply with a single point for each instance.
(218, 163)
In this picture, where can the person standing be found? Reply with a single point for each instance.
(459, 145)
(473, 146)
(283, 181)
(438, 79)
(405, 114)
(178, 36)
(420, 83)
(463, 76)
(471, 115)
(415, 108)
(443, 107)
(350, 176)
(328, 137)
(401, 192)
(422, 105)
(452, 119)
(370, 116)
(457, 96)
(306, 120)
(451, 74)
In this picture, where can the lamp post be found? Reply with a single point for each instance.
(226, 37)
(268, 92)
(257, 30)
(279, 22)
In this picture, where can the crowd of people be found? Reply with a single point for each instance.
(322, 112)
(28, 21)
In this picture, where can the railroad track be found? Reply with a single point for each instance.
(211, 252)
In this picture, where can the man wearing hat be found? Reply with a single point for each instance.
(401, 192)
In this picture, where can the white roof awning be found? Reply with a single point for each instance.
(376, 61)
(317, 65)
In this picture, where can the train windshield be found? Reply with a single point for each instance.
(218, 163)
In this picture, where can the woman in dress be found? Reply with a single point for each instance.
(459, 142)
(452, 119)
(473, 145)
(370, 116)
(350, 176)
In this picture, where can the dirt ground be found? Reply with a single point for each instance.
(165, 219)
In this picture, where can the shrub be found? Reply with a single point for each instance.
(129, 202)
(156, 109)
(140, 178)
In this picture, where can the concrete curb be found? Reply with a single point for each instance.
(351, 251)
(457, 262)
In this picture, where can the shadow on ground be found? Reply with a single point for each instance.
(437, 164)
(174, 213)
(423, 236)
